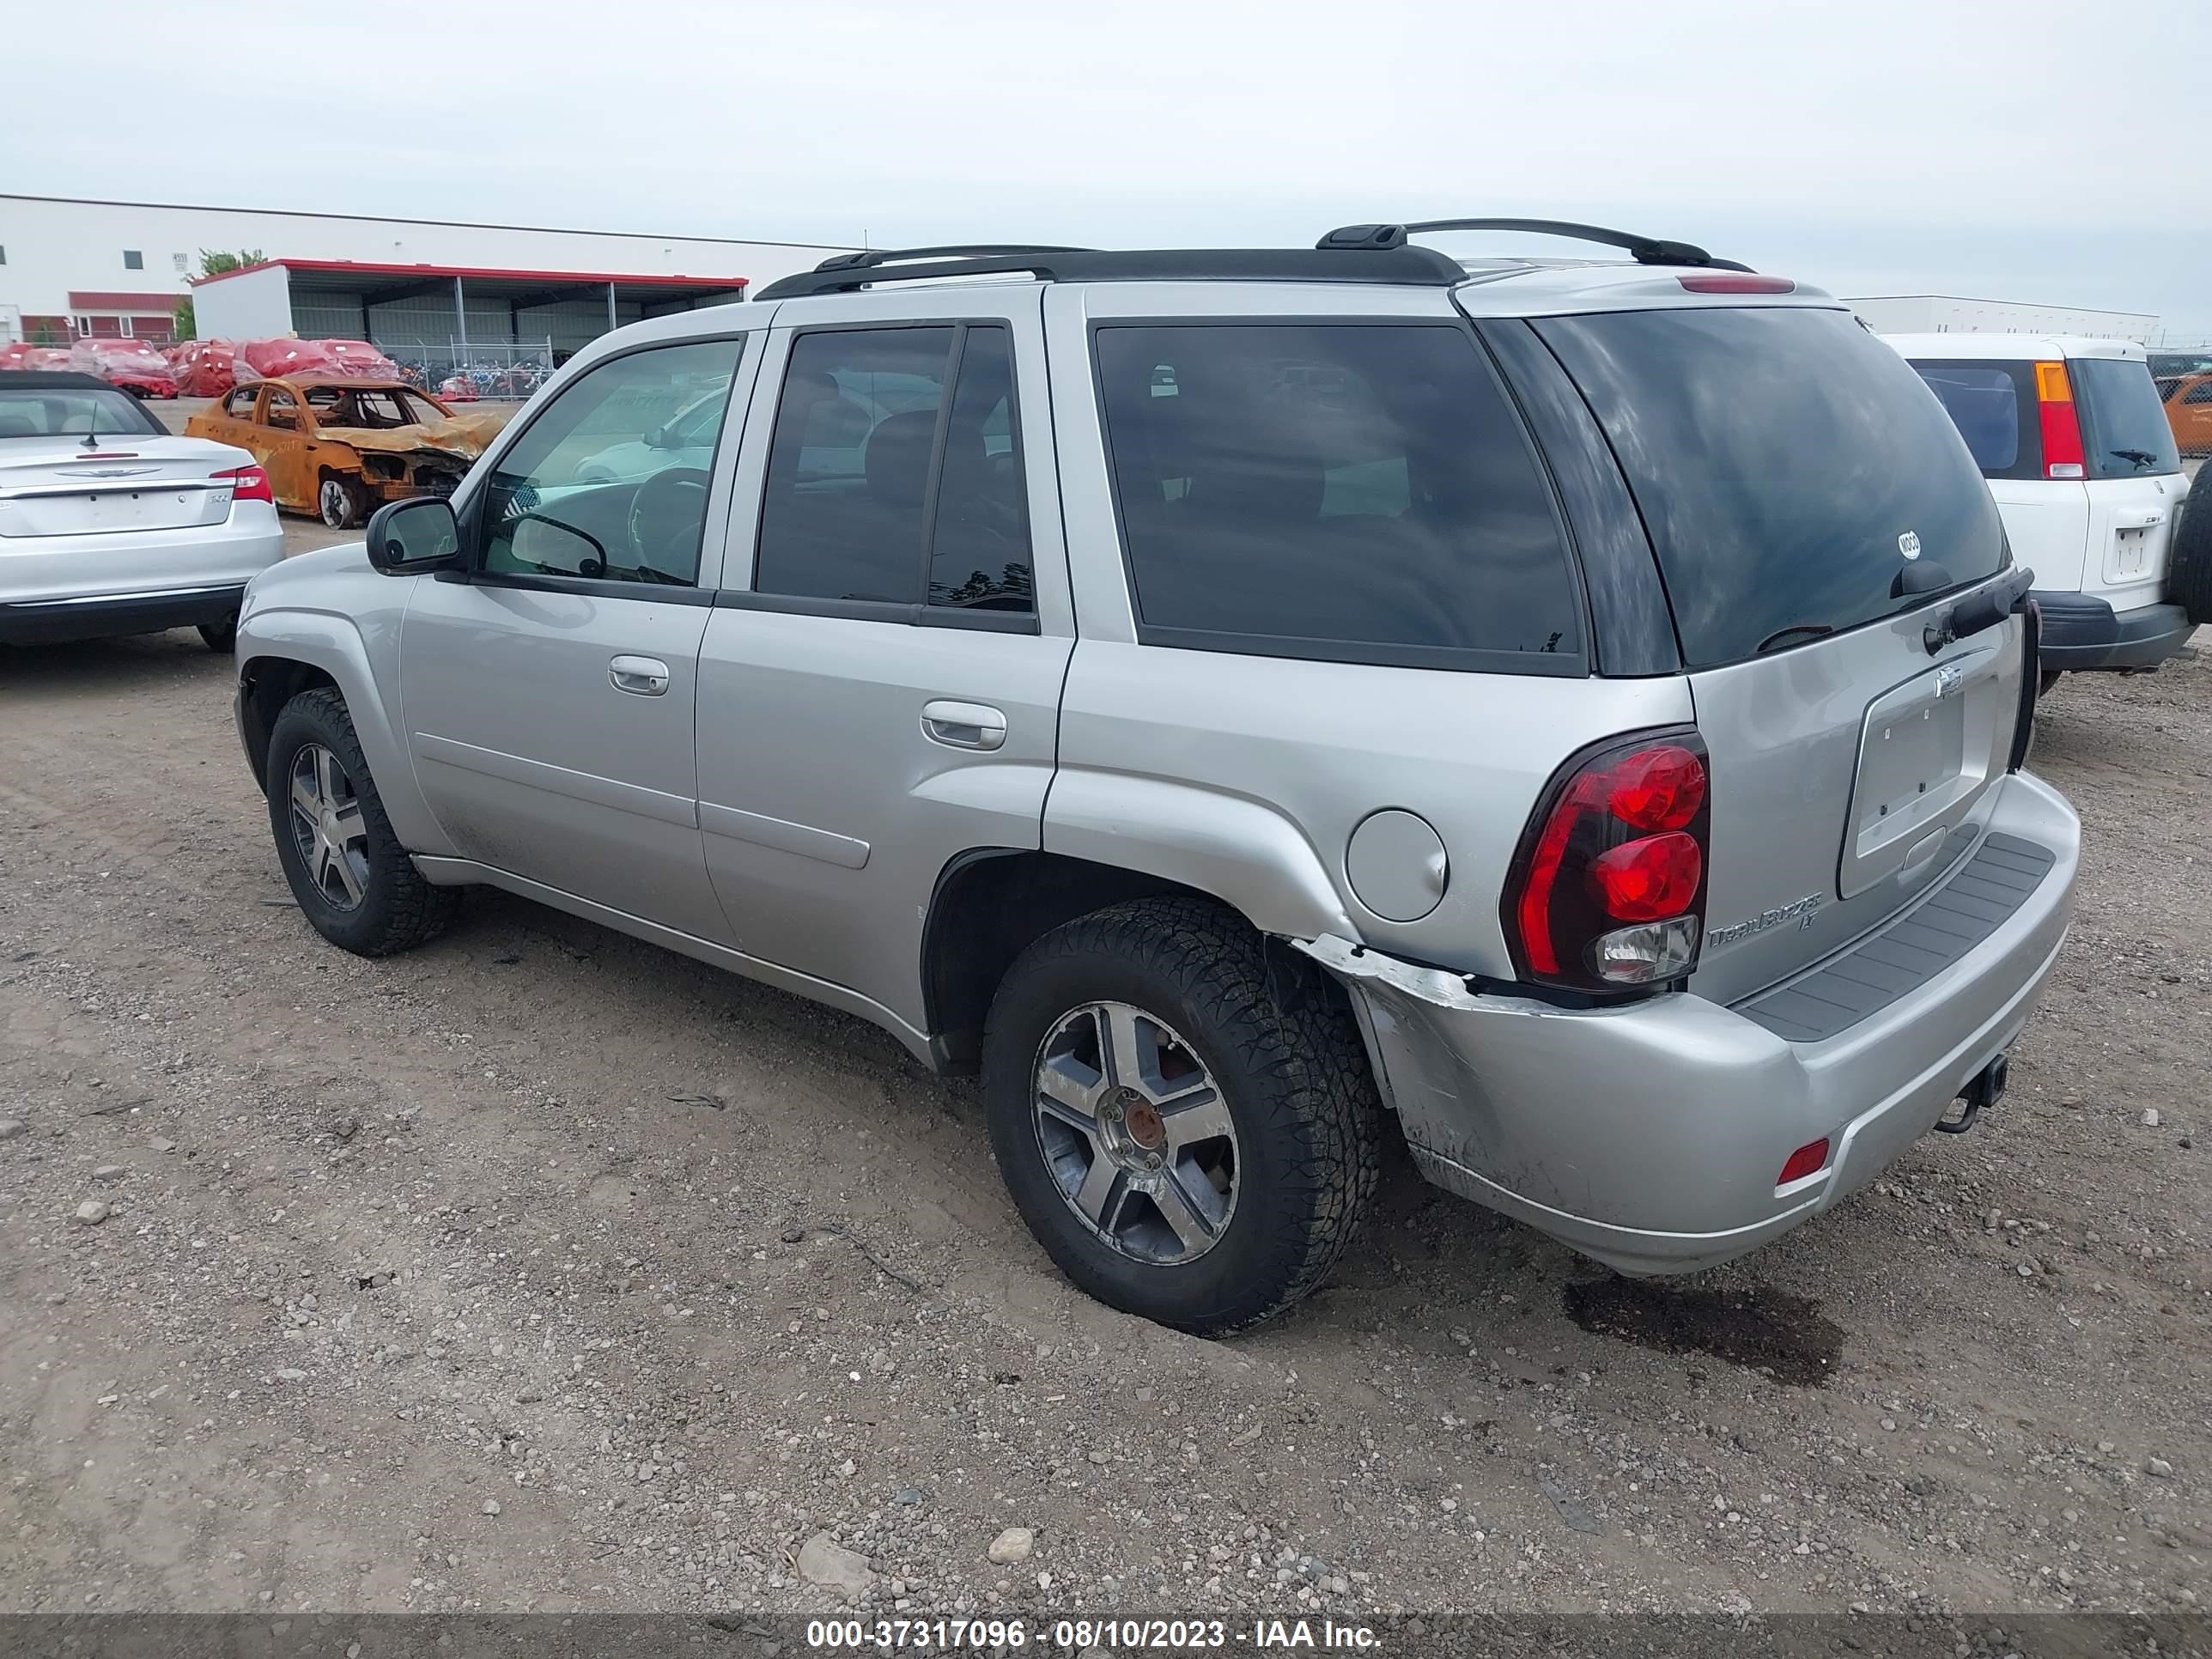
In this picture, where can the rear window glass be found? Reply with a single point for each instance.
(1993, 405)
(1787, 465)
(2124, 431)
(68, 411)
(1358, 492)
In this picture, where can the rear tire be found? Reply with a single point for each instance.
(1293, 1164)
(338, 503)
(222, 637)
(353, 880)
(2188, 567)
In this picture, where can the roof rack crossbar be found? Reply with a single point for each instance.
(870, 257)
(1399, 264)
(1645, 250)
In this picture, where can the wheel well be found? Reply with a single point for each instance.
(991, 904)
(265, 685)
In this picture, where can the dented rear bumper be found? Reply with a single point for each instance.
(1650, 1135)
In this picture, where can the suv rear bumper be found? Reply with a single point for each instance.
(2080, 632)
(1650, 1135)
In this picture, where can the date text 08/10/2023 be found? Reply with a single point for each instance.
(1078, 1635)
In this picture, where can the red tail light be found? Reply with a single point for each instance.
(1606, 891)
(2062, 428)
(1742, 281)
(249, 483)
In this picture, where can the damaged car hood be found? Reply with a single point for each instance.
(464, 435)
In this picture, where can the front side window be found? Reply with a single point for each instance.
(880, 488)
(1352, 492)
(592, 489)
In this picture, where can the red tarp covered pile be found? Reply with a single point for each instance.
(135, 365)
(309, 360)
(33, 356)
(210, 369)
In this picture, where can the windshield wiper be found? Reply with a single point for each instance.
(2139, 458)
(1782, 636)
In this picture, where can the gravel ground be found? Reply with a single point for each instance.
(542, 1269)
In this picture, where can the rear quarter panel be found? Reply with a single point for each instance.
(1246, 776)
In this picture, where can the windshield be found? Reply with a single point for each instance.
(2124, 431)
(1787, 464)
(68, 411)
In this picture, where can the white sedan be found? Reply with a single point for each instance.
(110, 525)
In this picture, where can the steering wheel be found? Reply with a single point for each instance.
(667, 514)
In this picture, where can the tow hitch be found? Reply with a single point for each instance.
(1986, 1088)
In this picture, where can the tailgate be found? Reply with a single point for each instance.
(1813, 511)
(1847, 775)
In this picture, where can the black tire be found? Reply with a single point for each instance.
(397, 909)
(2188, 567)
(222, 637)
(338, 503)
(1287, 1058)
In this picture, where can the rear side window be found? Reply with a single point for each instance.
(2124, 431)
(1787, 463)
(880, 488)
(1993, 405)
(1359, 492)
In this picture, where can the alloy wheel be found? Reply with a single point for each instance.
(1135, 1133)
(328, 830)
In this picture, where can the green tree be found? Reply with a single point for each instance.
(213, 263)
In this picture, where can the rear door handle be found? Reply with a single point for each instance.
(964, 725)
(642, 677)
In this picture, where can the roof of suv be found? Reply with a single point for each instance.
(1655, 272)
(2010, 348)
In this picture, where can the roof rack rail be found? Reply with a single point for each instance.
(867, 257)
(1395, 264)
(1645, 250)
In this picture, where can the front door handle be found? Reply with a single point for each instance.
(964, 725)
(642, 677)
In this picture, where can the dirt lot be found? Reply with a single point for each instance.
(541, 1269)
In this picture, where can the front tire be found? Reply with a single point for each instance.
(353, 880)
(1188, 1125)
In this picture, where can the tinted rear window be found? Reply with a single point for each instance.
(1993, 405)
(2124, 431)
(1785, 462)
(1359, 493)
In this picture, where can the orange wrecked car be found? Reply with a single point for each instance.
(340, 448)
(2188, 412)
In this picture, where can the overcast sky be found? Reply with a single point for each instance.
(2045, 150)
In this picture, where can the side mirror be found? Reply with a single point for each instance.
(412, 537)
(657, 439)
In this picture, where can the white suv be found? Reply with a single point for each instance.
(2071, 435)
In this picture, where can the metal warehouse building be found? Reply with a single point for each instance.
(1942, 313)
(70, 268)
